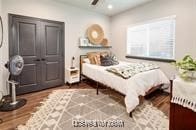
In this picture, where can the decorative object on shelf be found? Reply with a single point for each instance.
(72, 63)
(95, 38)
(95, 34)
(105, 42)
(187, 68)
(84, 42)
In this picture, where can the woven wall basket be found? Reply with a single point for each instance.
(105, 42)
(95, 34)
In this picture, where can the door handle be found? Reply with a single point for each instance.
(43, 59)
(37, 60)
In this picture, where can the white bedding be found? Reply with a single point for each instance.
(132, 88)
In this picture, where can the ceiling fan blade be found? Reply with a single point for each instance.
(94, 2)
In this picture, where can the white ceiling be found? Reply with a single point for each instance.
(101, 7)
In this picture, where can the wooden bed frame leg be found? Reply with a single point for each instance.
(97, 88)
(130, 114)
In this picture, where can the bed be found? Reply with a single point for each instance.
(140, 84)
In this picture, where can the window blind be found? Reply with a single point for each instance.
(154, 40)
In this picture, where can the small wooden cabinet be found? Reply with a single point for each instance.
(72, 75)
(181, 118)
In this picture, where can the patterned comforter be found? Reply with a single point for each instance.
(129, 70)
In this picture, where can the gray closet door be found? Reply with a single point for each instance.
(25, 41)
(41, 44)
(52, 53)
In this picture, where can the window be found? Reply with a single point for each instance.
(152, 40)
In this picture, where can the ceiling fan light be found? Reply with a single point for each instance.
(110, 6)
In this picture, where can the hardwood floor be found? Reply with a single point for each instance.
(12, 119)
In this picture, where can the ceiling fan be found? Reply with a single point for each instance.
(94, 2)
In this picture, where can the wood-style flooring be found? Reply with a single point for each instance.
(11, 119)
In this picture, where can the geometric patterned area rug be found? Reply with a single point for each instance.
(82, 109)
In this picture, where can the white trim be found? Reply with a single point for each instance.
(151, 21)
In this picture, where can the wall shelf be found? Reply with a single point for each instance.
(95, 46)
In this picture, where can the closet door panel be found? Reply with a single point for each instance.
(52, 54)
(25, 41)
(41, 43)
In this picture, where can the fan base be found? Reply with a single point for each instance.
(9, 106)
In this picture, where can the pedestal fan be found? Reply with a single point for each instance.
(15, 66)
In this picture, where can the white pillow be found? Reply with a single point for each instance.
(86, 60)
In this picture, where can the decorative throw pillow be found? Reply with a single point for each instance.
(104, 53)
(94, 58)
(109, 60)
(106, 61)
(114, 59)
(86, 60)
(98, 59)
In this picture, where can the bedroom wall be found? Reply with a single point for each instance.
(76, 22)
(185, 11)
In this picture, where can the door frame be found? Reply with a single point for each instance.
(10, 36)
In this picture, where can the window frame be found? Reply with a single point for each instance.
(173, 17)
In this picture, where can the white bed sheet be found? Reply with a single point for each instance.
(132, 88)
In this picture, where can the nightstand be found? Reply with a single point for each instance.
(72, 75)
